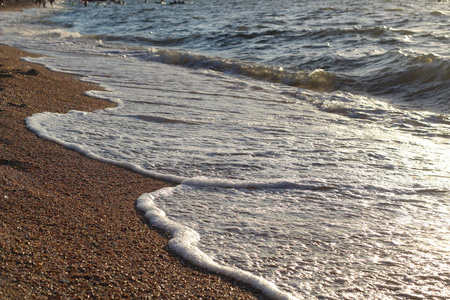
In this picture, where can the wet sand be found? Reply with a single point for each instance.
(68, 224)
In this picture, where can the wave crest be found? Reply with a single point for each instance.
(418, 79)
(318, 80)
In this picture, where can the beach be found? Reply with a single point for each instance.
(302, 150)
(69, 225)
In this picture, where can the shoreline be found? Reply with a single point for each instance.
(69, 224)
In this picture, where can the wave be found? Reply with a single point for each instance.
(416, 80)
(438, 13)
(37, 32)
(192, 39)
(422, 78)
(318, 79)
(60, 33)
(368, 31)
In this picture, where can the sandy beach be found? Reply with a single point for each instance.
(69, 227)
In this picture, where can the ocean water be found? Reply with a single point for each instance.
(310, 140)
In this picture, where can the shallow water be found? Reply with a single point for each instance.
(310, 140)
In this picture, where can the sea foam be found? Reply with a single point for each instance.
(183, 242)
(183, 239)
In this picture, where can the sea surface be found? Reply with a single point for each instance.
(310, 140)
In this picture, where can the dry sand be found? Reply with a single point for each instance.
(68, 224)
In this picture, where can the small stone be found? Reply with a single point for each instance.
(32, 72)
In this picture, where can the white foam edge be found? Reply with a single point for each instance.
(183, 239)
(183, 242)
(33, 123)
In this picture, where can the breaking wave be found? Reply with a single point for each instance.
(318, 79)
